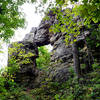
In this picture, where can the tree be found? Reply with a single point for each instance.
(10, 17)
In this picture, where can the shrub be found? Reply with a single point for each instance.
(43, 60)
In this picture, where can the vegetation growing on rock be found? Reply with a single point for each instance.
(25, 78)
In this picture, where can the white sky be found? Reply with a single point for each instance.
(32, 20)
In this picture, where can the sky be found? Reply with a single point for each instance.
(32, 20)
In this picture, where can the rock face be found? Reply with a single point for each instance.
(61, 57)
(42, 37)
(61, 54)
(25, 54)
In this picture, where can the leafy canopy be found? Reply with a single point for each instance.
(87, 10)
(10, 17)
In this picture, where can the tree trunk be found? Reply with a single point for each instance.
(90, 57)
(76, 60)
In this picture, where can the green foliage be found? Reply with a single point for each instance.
(18, 55)
(89, 12)
(6, 84)
(47, 91)
(17, 58)
(9, 90)
(68, 20)
(43, 60)
(13, 67)
(96, 66)
(67, 23)
(87, 89)
(11, 17)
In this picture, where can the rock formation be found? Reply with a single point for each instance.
(25, 54)
(61, 57)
